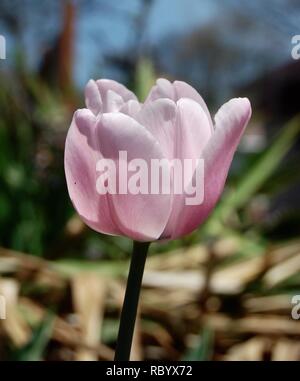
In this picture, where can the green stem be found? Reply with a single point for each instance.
(129, 310)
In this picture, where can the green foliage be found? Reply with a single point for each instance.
(34, 349)
(31, 171)
(250, 182)
(144, 78)
(204, 349)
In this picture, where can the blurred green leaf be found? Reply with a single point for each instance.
(251, 181)
(204, 350)
(70, 267)
(33, 351)
(145, 78)
(109, 331)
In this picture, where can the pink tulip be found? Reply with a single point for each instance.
(173, 122)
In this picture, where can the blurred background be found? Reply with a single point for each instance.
(223, 293)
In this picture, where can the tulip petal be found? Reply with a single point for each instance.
(192, 129)
(93, 99)
(184, 90)
(192, 133)
(231, 121)
(112, 101)
(131, 108)
(105, 95)
(176, 91)
(162, 89)
(81, 156)
(159, 118)
(108, 84)
(139, 216)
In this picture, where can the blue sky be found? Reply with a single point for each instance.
(99, 32)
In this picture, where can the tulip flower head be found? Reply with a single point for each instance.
(151, 170)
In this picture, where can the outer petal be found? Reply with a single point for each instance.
(159, 118)
(192, 129)
(231, 121)
(81, 155)
(184, 90)
(141, 216)
(192, 133)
